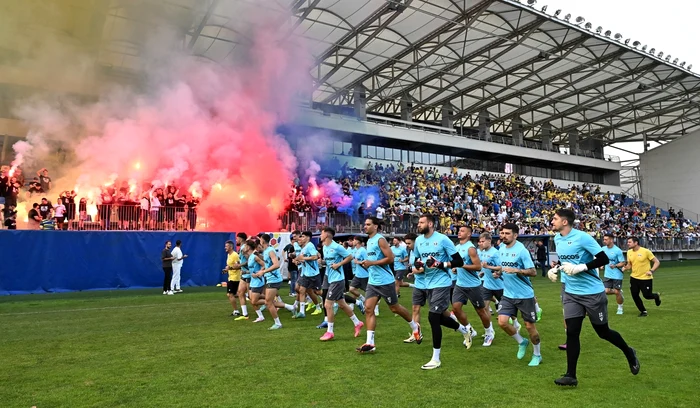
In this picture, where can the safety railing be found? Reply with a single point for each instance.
(345, 222)
(93, 217)
(671, 244)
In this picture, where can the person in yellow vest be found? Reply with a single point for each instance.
(642, 277)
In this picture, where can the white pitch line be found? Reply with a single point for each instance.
(108, 308)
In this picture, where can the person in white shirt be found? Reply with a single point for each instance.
(380, 212)
(145, 207)
(178, 260)
(60, 214)
(155, 207)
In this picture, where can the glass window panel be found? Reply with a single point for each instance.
(363, 151)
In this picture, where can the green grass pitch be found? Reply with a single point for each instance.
(138, 348)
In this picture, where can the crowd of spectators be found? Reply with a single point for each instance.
(117, 205)
(488, 200)
(402, 193)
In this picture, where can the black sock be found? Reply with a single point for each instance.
(324, 293)
(349, 299)
(434, 319)
(606, 333)
(448, 322)
(573, 344)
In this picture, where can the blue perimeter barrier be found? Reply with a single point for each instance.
(65, 261)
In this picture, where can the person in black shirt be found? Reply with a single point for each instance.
(192, 212)
(34, 218)
(132, 212)
(161, 213)
(169, 212)
(10, 218)
(541, 256)
(45, 209)
(106, 208)
(44, 179)
(122, 211)
(68, 198)
(82, 213)
(11, 192)
(167, 259)
(292, 268)
(34, 187)
(180, 203)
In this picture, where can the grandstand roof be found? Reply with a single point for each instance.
(503, 56)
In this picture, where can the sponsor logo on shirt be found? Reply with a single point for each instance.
(574, 257)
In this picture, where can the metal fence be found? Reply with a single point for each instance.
(665, 205)
(120, 217)
(342, 222)
(664, 244)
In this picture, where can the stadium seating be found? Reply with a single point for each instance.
(484, 201)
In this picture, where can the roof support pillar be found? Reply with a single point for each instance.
(546, 136)
(573, 142)
(360, 102)
(484, 125)
(517, 131)
(406, 108)
(447, 114)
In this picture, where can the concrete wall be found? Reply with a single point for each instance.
(670, 173)
(341, 123)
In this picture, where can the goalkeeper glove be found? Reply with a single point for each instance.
(571, 269)
(552, 274)
(434, 263)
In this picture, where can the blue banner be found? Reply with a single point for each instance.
(64, 261)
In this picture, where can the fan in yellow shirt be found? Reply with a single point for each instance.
(641, 279)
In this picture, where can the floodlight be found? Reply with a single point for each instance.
(661, 54)
(690, 67)
(668, 58)
(568, 17)
(682, 64)
(636, 44)
(652, 51)
(580, 20)
(675, 61)
(599, 29)
(531, 2)
(644, 48)
(627, 41)
(618, 36)
(607, 33)
(556, 13)
(589, 26)
(544, 8)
